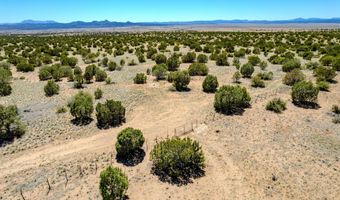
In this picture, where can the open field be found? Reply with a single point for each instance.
(257, 154)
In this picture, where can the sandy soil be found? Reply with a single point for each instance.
(257, 155)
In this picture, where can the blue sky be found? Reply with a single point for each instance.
(164, 10)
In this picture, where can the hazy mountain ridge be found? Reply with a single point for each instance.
(42, 25)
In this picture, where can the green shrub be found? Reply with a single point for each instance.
(181, 80)
(25, 67)
(312, 65)
(293, 77)
(159, 71)
(78, 81)
(45, 73)
(210, 84)
(77, 71)
(51, 88)
(304, 93)
(173, 63)
(178, 160)
(61, 110)
(190, 57)
(198, 69)
(81, 106)
(11, 125)
(5, 78)
(132, 63)
(202, 58)
(254, 60)
(291, 64)
(160, 59)
(327, 60)
(323, 85)
(108, 81)
(336, 64)
(100, 75)
(247, 70)
(140, 78)
(263, 65)
(324, 73)
(5, 89)
(266, 75)
(230, 99)
(113, 184)
(237, 77)
(90, 71)
(112, 66)
(256, 82)
(69, 61)
(276, 105)
(122, 62)
(129, 141)
(176, 48)
(98, 94)
(110, 114)
(222, 60)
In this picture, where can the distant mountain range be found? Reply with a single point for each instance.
(44, 25)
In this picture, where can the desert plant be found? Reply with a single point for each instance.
(11, 125)
(276, 105)
(222, 60)
(98, 94)
(159, 71)
(100, 75)
(181, 80)
(5, 89)
(113, 184)
(51, 88)
(108, 81)
(263, 65)
(110, 114)
(336, 64)
(230, 99)
(294, 76)
(324, 73)
(90, 71)
(160, 59)
(327, 60)
(78, 81)
(336, 109)
(266, 75)
(210, 84)
(140, 78)
(256, 82)
(112, 66)
(198, 69)
(236, 77)
(202, 58)
(44, 73)
(173, 63)
(61, 110)
(305, 93)
(81, 106)
(254, 60)
(178, 160)
(291, 64)
(322, 85)
(247, 70)
(129, 141)
(190, 57)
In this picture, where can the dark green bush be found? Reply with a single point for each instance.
(25, 67)
(247, 70)
(256, 82)
(110, 114)
(323, 85)
(237, 77)
(190, 57)
(113, 184)
(90, 71)
(327, 60)
(173, 63)
(5, 89)
(231, 99)
(294, 76)
(198, 69)
(78, 81)
(129, 141)
(98, 94)
(336, 64)
(324, 73)
(222, 60)
(100, 75)
(254, 60)
(159, 71)
(51, 88)
(305, 93)
(11, 125)
(291, 64)
(336, 109)
(81, 106)
(266, 75)
(276, 105)
(5, 78)
(202, 58)
(112, 66)
(160, 59)
(178, 160)
(45, 73)
(210, 84)
(140, 78)
(181, 80)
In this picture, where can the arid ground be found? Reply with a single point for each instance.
(256, 155)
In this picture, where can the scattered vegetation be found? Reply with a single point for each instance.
(276, 105)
